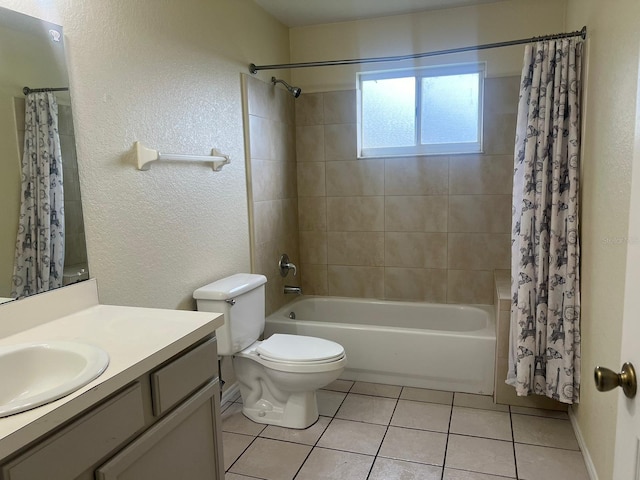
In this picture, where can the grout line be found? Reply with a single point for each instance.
(313, 447)
(243, 452)
(375, 457)
(446, 445)
(513, 444)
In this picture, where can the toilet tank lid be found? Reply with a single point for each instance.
(230, 287)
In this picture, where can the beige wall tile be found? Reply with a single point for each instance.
(311, 179)
(502, 333)
(289, 180)
(266, 258)
(415, 250)
(259, 97)
(289, 213)
(274, 294)
(467, 196)
(268, 222)
(340, 142)
(284, 106)
(362, 282)
(469, 286)
(415, 284)
(479, 251)
(353, 178)
(480, 213)
(312, 213)
(500, 114)
(283, 147)
(313, 247)
(314, 279)
(272, 180)
(355, 248)
(503, 289)
(349, 214)
(481, 174)
(273, 185)
(310, 109)
(310, 143)
(501, 95)
(260, 138)
(340, 107)
(499, 136)
(416, 175)
(416, 213)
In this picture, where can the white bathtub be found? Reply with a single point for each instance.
(442, 347)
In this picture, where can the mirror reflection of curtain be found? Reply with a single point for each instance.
(39, 259)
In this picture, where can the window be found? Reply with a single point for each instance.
(433, 110)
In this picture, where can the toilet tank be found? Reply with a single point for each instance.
(241, 298)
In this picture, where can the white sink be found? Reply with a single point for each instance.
(33, 374)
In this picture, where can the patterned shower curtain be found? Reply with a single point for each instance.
(40, 245)
(545, 256)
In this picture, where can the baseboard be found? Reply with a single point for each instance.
(591, 469)
(230, 393)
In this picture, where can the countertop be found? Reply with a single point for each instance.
(136, 339)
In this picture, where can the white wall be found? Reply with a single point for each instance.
(613, 48)
(422, 32)
(166, 74)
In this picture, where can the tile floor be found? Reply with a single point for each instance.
(383, 432)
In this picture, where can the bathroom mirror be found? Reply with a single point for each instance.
(32, 55)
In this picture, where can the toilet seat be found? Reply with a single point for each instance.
(299, 349)
(322, 355)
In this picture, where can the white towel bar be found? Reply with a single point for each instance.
(147, 155)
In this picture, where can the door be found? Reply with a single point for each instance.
(627, 451)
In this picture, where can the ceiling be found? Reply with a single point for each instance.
(298, 13)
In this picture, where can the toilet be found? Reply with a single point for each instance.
(278, 376)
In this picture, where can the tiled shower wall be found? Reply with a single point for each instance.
(271, 184)
(412, 228)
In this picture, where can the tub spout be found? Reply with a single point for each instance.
(292, 290)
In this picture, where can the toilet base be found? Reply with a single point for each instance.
(299, 412)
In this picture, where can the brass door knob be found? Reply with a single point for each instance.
(608, 379)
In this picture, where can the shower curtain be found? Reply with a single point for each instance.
(39, 256)
(545, 256)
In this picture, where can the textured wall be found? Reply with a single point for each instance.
(430, 228)
(610, 117)
(166, 74)
(272, 187)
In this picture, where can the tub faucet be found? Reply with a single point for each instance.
(292, 290)
(285, 265)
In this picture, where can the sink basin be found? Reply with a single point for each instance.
(33, 374)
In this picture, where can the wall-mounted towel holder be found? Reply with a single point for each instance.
(147, 155)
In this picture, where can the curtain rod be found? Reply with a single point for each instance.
(579, 33)
(27, 90)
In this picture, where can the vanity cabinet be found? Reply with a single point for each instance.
(164, 425)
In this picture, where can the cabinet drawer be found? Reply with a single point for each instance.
(177, 380)
(84, 442)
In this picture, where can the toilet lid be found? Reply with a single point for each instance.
(299, 349)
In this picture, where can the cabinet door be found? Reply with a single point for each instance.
(185, 444)
(83, 443)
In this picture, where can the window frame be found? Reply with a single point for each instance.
(418, 149)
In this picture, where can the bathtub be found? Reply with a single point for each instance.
(436, 346)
